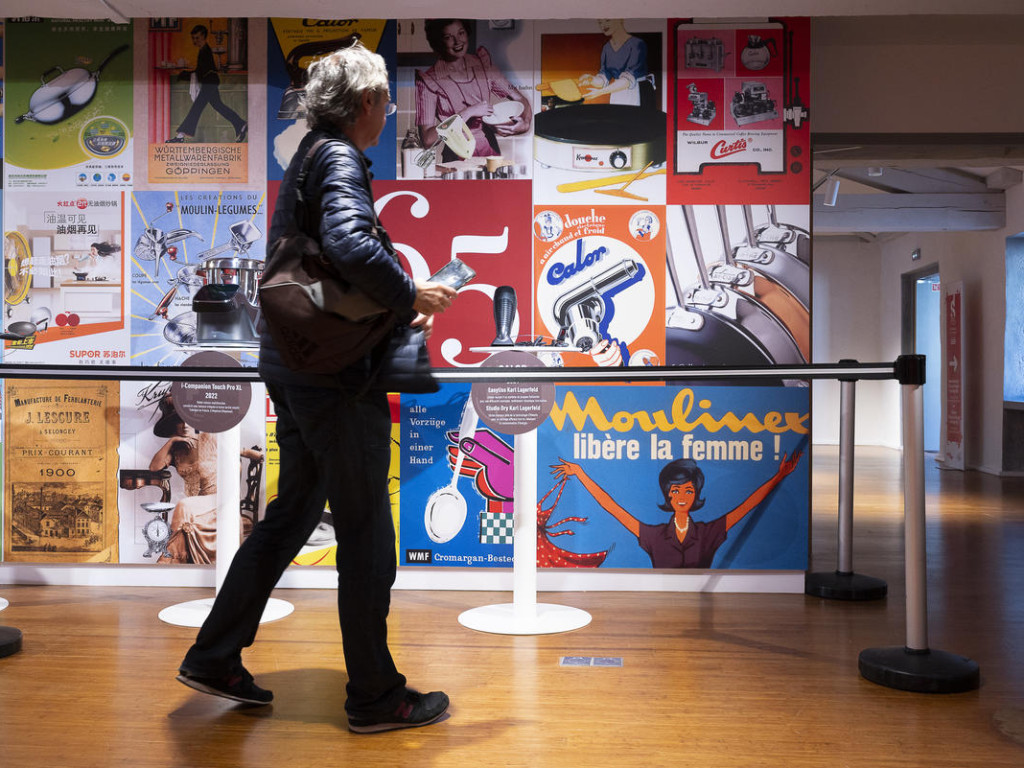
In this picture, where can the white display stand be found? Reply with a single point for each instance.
(524, 615)
(3, 603)
(194, 612)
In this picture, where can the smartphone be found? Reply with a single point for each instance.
(455, 274)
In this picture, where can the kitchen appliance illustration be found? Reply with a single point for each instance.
(66, 92)
(775, 262)
(296, 63)
(704, 53)
(600, 137)
(154, 243)
(794, 112)
(703, 110)
(455, 134)
(156, 530)
(774, 234)
(752, 104)
(716, 323)
(756, 55)
(582, 312)
(17, 270)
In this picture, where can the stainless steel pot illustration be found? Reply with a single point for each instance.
(227, 307)
(65, 93)
(774, 234)
(153, 244)
(715, 324)
(781, 265)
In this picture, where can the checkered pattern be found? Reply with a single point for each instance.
(495, 528)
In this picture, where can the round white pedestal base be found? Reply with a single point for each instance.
(539, 619)
(194, 612)
(3, 603)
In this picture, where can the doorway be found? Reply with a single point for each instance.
(922, 335)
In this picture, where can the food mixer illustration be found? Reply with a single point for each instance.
(154, 243)
(753, 104)
(703, 110)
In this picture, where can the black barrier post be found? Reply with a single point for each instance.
(843, 583)
(10, 641)
(916, 667)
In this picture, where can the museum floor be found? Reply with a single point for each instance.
(708, 680)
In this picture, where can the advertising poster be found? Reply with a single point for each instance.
(600, 283)
(322, 546)
(485, 225)
(708, 477)
(738, 112)
(195, 265)
(294, 44)
(64, 277)
(167, 477)
(68, 104)
(60, 494)
(599, 125)
(457, 477)
(739, 285)
(464, 99)
(197, 100)
(953, 376)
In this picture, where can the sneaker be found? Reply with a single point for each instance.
(175, 140)
(416, 709)
(241, 133)
(237, 687)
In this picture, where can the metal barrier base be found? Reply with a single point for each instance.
(10, 641)
(927, 671)
(844, 586)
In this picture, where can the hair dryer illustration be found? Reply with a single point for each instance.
(580, 310)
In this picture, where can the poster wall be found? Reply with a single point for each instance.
(599, 176)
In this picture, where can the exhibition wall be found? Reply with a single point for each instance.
(641, 188)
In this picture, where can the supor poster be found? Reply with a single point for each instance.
(167, 477)
(599, 275)
(701, 477)
(197, 101)
(599, 119)
(64, 277)
(294, 44)
(738, 112)
(464, 99)
(196, 259)
(739, 285)
(487, 226)
(68, 104)
(457, 477)
(60, 492)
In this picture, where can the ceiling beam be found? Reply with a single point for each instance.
(910, 213)
(847, 150)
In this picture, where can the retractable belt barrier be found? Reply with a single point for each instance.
(911, 667)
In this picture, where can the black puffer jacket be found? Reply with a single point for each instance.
(350, 236)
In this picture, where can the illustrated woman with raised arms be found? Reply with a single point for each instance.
(682, 542)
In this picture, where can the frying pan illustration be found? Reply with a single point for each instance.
(64, 94)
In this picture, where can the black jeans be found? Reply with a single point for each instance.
(336, 447)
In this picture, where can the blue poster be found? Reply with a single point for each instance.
(456, 496)
(667, 477)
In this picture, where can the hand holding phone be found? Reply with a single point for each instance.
(455, 274)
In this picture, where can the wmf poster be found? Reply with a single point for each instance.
(738, 112)
(64, 277)
(68, 104)
(464, 98)
(195, 265)
(197, 100)
(294, 44)
(168, 480)
(457, 479)
(60, 494)
(709, 477)
(484, 223)
(600, 283)
(599, 119)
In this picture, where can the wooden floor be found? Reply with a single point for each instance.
(707, 680)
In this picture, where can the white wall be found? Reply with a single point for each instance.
(847, 288)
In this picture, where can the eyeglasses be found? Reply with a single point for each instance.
(390, 109)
